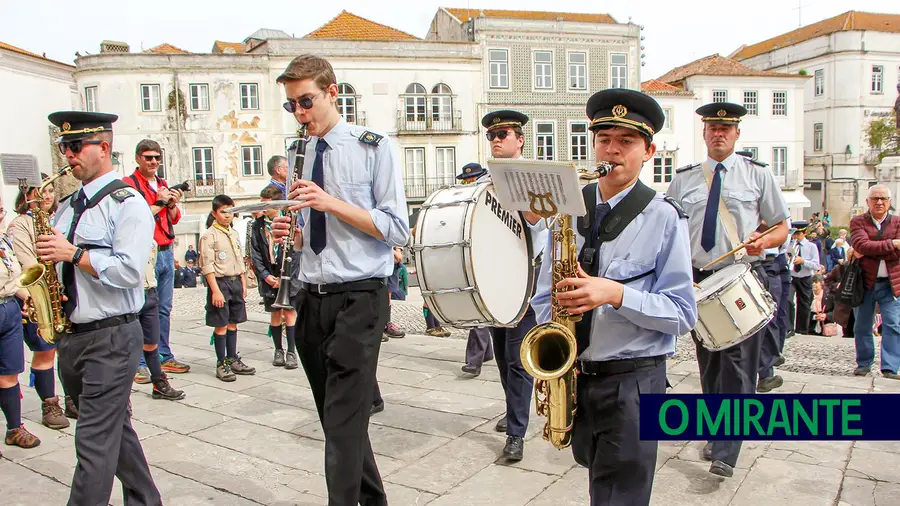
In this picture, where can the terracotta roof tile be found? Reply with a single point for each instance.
(659, 88)
(21, 51)
(463, 14)
(848, 21)
(166, 48)
(229, 47)
(347, 26)
(715, 65)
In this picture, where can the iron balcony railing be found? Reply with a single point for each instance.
(205, 188)
(418, 188)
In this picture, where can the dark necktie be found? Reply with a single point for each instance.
(600, 212)
(68, 268)
(317, 218)
(708, 237)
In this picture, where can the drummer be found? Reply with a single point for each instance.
(751, 195)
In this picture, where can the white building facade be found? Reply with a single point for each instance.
(675, 143)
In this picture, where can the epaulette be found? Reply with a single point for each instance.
(371, 138)
(757, 162)
(67, 197)
(679, 170)
(676, 205)
(121, 194)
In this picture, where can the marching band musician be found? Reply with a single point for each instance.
(634, 292)
(21, 231)
(751, 195)
(100, 262)
(353, 213)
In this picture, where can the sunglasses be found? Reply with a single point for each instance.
(150, 158)
(502, 134)
(76, 146)
(305, 103)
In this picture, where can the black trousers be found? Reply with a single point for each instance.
(733, 370)
(338, 348)
(803, 289)
(478, 347)
(517, 383)
(770, 348)
(96, 369)
(606, 435)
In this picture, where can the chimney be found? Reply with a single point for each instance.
(112, 46)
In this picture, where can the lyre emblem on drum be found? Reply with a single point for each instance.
(740, 304)
(547, 206)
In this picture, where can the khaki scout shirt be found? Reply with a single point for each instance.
(220, 252)
(150, 270)
(21, 228)
(9, 268)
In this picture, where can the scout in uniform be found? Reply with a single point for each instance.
(635, 296)
(751, 195)
(101, 246)
(21, 232)
(223, 267)
(353, 211)
(149, 317)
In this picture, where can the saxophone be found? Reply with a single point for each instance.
(43, 285)
(549, 350)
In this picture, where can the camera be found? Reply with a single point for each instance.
(181, 187)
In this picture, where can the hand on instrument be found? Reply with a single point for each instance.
(589, 293)
(273, 281)
(754, 246)
(280, 227)
(311, 195)
(54, 248)
(798, 260)
(218, 299)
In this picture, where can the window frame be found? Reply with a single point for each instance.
(587, 140)
(251, 148)
(818, 136)
(569, 65)
(347, 101)
(211, 160)
(819, 79)
(449, 176)
(255, 96)
(775, 162)
(751, 111)
(90, 104)
(724, 97)
(775, 103)
(151, 86)
(877, 79)
(666, 172)
(552, 136)
(611, 66)
(500, 76)
(198, 86)
(549, 76)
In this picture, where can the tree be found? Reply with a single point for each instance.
(883, 136)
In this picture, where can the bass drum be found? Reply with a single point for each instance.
(473, 258)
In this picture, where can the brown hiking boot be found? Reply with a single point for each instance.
(52, 415)
(71, 410)
(224, 373)
(239, 367)
(21, 438)
(175, 367)
(163, 390)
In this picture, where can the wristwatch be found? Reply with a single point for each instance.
(160, 203)
(79, 252)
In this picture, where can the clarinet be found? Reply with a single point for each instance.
(283, 298)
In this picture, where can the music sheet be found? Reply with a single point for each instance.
(514, 179)
(18, 168)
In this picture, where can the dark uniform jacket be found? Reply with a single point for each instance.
(261, 261)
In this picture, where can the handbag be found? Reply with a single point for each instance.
(832, 330)
(852, 289)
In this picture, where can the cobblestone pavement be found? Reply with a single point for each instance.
(258, 441)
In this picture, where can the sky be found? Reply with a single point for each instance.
(675, 34)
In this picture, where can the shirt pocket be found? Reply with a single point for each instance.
(624, 270)
(87, 234)
(742, 201)
(695, 203)
(359, 194)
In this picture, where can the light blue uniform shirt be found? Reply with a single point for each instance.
(656, 308)
(121, 233)
(810, 255)
(369, 177)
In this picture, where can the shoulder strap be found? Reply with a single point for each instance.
(137, 186)
(626, 211)
(115, 184)
(724, 215)
(585, 223)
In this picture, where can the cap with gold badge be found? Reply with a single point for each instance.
(503, 119)
(471, 170)
(626, 108)
(725, 113)
(77, 125)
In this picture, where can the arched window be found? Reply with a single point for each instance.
(346, 102)
(415, 103)
(441, 105)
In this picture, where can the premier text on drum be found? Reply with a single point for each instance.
(511, 221)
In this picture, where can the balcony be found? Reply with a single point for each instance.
(790, 180)
(418, 124)
(418, 188)
(205, 189)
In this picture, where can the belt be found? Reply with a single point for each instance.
(112, 321)
(229, 278)
(4, 300)
(611, 367)
(163, 248)
(364, 285)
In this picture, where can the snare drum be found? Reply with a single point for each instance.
(732, 305)
(473, 258)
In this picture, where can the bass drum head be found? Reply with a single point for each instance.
(712, 285)
(501, 260)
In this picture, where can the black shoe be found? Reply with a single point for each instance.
(514, 449)
(779, 362)
(706, 452)
(722, 469)
(377, 408)
(501, 424)
(769, 384)
(861, 371)
(890, 375)
(474, 370)
(163, 390)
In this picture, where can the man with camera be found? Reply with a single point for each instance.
(163, 202)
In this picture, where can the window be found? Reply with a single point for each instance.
(346, 102)
(754, 152)
(415, 165)
(203, 165)
(90, 99)
(161, 171)
(445, 159)
(499, 68)
(820, 82)
(150, 98)
(818, 136)
(877, 79)
(544, 141)
(618, 66)
(751, 102)
(578, 141)
(720, 96)
(663, 168)
(577, 71)
(252, 160)
(667, 125)
(249, 96)
(199, 97)
(779, 103)
(543, 70)
(441, 104)
(779, 161)
(415, 103)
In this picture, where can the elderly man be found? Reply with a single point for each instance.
(876, 235)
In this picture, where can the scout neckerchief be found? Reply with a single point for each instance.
(6, 252)
(273, 247)
(235, 245)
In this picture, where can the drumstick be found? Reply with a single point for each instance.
(735, 250)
